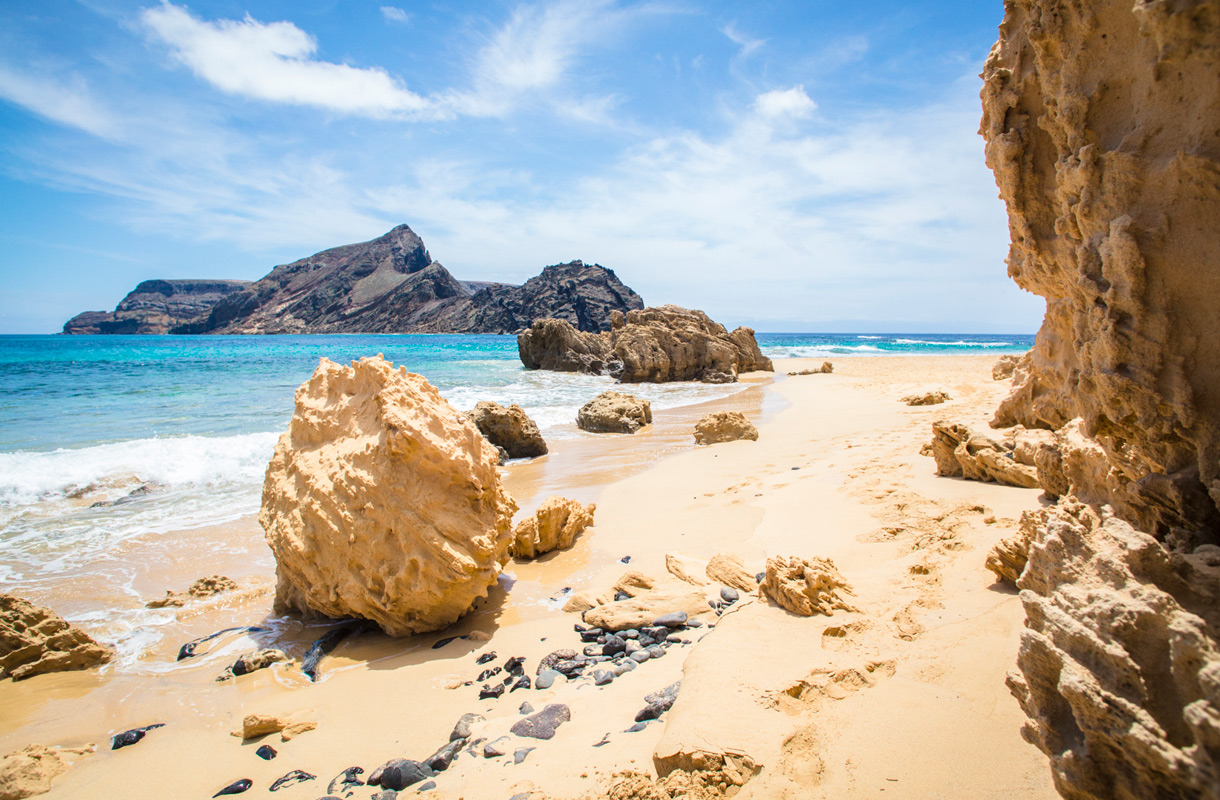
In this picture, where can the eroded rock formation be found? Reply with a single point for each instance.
(961, 452)
(1100, 123)
(383, 502)
(806, 586)
(35, 640)
(204, 587)
(614, 412)
(510, 428)
(29, 772)
(554, 526)
(653, 345)
(724, 426)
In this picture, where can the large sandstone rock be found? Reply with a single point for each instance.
(724, 426)
(510, 428)
(806, 586)
(1100, 122)
(554, 526)
(29, 772)
(35, 640)
(668, 343)
(961, 452)
(383, 502)
(614, 412)
(644, 608)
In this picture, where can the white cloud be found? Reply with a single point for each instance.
(395, 14)
(274, 61)
(51, 99)
(785, 103)
(748, 45)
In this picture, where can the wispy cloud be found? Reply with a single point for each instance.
(59, 102)
(747, 44)
(785, 103)
(274, 61)
(395, 14)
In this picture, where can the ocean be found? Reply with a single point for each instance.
(108, 442)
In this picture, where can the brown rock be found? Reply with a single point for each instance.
(724, 426)
(806, 586)
(288, 727)
(1007, 559)
(204, 587)
(644, 608)
(29, 772)
(383, 502)
(554, 526)
(509, 428)
(252, 662)
(929, 398)
(685, 569)
(731, 571)
(557, 345)
(34, 640)
(825, 369)
(960, 452)
(614, 412)
(1004, 367)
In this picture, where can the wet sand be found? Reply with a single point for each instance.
(836, 472)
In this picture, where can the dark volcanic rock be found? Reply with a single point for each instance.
(400, 773)
(387, 285)
(543, 724)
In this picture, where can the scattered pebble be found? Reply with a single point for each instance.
(605, 740)
(675, 620)
(345, 780)
(695, 623)
(488, 656)
(520, 753)
(625, 560)
(640, 656)
(656, 651)
(487, 674)
(462, 729)
(236, 787)
(294, 777)
(266, 752)
(729, 595)
(426, 787)
(526, 708)
(639, 726)
(515, 665)
(126, 738)
(495, 749)
(491, 692)
(758, 577)
(442, 642)
(602, 677)
(546, 679)
(522, 682)
(543, 724)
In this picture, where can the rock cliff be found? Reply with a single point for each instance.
(1100, 122)
(156, 306)
(387, 285)
(383, 502)
(654, 345)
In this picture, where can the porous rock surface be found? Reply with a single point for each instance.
(383, 502)
(932, 397)
(1004, 367)
(510, 428)
(724, 426)
(655, 345)
(35, 640)
(29, 771)
(961, 452)
(614, 412)
(1100, 123)
(825, 369)
(806, 586)
(554, 526)
(204, 587)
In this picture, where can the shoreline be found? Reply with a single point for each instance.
(751, 498)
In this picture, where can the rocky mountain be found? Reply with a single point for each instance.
(156, 306)
(387, 285)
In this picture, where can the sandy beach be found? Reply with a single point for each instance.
(903, 697)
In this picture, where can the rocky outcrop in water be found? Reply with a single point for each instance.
(383, 502)
(510, 428)
(1100, 123)
(35, 640)
(156, 306)
(652, 345)
(614, 412)
(387, 285)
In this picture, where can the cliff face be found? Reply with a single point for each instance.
(387, 285)
(156, 306)
(1101, 122)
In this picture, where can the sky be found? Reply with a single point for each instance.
(794, 166)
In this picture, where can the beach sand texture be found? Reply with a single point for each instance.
(903, 697)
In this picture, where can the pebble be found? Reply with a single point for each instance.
(613, 646)
(590, 634)
(266, 752)
(640, 656)
(628, 665)
(675, 620)
(758, 577)
(483, 659)
(294, 777)
(639, 726)
(621, 596)
(442, 642)
(525, 708)
(593, 650)
(602, 677)
(520, 753)
(400, 773)
(630, 633)
(426, 787)
(487, 674)
(633, 646)
(546, 679)
(515, 665)
(127, 738)
(441, 759)
(386, 795)
(462, 729)
(695, 623)
(350, 777)
(675, 639)
(491, 692)
(656, 651)
(236, 787)
(551, 659)
(495, 749)
(625, 560)
(543, 724)
(605, 740)
(656, 632)
(729, 595)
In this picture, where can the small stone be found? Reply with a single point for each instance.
(593, 650)
(640, 656)
(495, 749)
(522, 682)
(630, 633)
(625, 560)
(236, 787)
(620, 595)
(386, 795)
(551, 659)
(266, 752)
(488, 656)
(442, 642)
(590, 634)
(543, 724)
(633, 646)
(656, 651)
(487, 674)
(426, 787)
(525, 708)
(675, 639)
(400, 773)
(462, 729)
(602, 677)
(639, 726)
(441, 759)
(729, 595)
(675, 620)
(491, 692)
(605, 740)
(613, 646)
(758, 577)
(515, 665)
(546, 679)
(293, 778)
(345, 780)
(520, 753)
(695, 623)
(628, 665)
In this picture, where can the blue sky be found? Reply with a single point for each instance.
(789, 165)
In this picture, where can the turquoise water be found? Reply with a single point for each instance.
(107, 443)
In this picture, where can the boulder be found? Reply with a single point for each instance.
(614, 412)
(929, 398)
(731, 571)
(509, 428)
(29, 772)
(543, 724)
(34, 640)
(960, 452)
(1004, 367)
(204, 587)
(724, 426)
(383, 502)
(668, 343)
(554, 526)
(806, 586)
